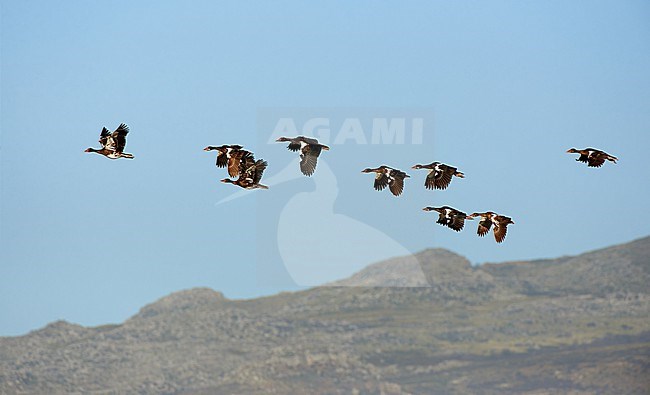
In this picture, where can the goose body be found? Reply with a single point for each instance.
(113, 144)
(388, 177)
(310, 150)
(592, 157)
(449, 217)
(440, 175)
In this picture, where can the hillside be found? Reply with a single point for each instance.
(573, 325)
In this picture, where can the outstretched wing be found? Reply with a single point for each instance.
(309, 158)
(294, 146)
(442, 177)
(484, 226)
(500, 231)
(104, 137)
(583, 158)
(442, 219)
(381, 181)
(308, 164)
(596, 159)
(119, 137)
(222, 158)
(397, 184)
(247, 161)
(442, 182)
(501, 227)
(239, 161)
(457, 221)
(260, 166)
(438, 179)
(430, 181)
(234, 164)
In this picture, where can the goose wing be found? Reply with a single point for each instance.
(222, 158)
(381, 181)
(294, 145)
(500, 227)
(258, 170)
(438, 179)
(308, 158)
(443, 177)
(234, 162)
(247, 160)
(584, 157)
(430, 181)
(105, 137)
(238, 162)
(396, 182)
(596, 159)
(484, 226)
(457, 220)
(119, 137)
(500, 232)
(442, 219)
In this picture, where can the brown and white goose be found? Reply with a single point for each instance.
(592, 157)
(440, 175)
(309, 149)
(113, 143)
(449, 217)
(232, 156)
(250, 177)
(489, 219)
(388, 177)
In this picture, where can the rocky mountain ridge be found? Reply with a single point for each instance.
(572, 325)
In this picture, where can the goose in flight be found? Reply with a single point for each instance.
(113, 143)
(592, 157)
(489, 219)
(310, 150)
(449, 217)
(388, 177)
(440, 175)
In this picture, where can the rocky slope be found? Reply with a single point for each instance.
(573, 325)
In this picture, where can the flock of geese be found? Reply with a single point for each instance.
(246, 172)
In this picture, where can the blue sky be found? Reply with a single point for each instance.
(507, 87)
